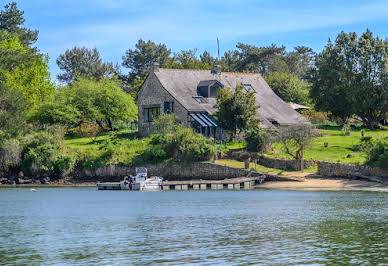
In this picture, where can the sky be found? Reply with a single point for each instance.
(114, 26)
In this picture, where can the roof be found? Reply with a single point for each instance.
(182, 85)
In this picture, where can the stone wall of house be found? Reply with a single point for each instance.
(153, 94)
(352, 171)
(205, 171)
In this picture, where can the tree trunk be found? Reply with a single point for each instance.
(110, 124)
(301, 161)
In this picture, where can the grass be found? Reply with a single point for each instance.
(261, 168)
(119, 147)
(340, 149)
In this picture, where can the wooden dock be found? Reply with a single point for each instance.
(230, 183)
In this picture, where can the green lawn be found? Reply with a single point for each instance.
(120, 147)
(340, 149)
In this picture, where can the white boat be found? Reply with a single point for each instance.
(141, 181)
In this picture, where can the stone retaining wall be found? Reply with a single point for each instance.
(352, 171)
(207, 171)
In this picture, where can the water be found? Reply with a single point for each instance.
(81, 226)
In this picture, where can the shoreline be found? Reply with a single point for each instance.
(294, 184)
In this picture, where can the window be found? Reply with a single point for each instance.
(248, 88)
(150, 113)
(168, 107)
(200, 99)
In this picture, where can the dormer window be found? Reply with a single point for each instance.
(209, 88)
(248, 88)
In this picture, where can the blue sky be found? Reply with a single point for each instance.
(113, 26)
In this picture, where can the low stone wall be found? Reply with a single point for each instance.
(352, 171)
(283, 164)
(207, 171)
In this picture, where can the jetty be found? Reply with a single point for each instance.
(229, 183)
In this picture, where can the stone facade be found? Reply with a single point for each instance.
(352, 171)
(153, 94)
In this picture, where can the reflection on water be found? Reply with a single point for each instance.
(83, 225)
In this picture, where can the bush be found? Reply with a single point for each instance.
(10, 154)
(182, 145)
(377, 153)
(256, 140)
(316, 117)
(42, 153)
(89, 130)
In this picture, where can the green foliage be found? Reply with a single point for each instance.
(10, 155)
(256, 140)
(316, 117)
(24, 70)
(11, 20)
(42, 153)
(84, 63)
(236, 109)
(87, 101)
(165, 123)
(289, 87)
(377, 152)
(13, 112)
(350, 77)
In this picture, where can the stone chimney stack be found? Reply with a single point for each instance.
(216, 69)
(155, 67)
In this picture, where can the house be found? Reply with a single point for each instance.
(191, 96)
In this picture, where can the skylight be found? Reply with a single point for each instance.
(248, 88)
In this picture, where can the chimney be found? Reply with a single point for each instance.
(155, 67)
(216, 69)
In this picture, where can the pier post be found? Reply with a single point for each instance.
(214, 186)
(237, 186)
(247, 185)
(166, 187)
(230, 186)
(203, 186)
(178, 187)
(220, 186)
(196, 186)
(185, 187)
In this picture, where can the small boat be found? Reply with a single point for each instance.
(33, 190)
(140, 181)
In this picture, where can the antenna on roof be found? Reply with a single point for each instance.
(218, 46)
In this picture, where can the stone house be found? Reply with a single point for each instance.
(191, 96)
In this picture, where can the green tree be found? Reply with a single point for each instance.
(300, 60)
(24, 70)
(236, 109)
(289, 87)
(85, 63)
(350, 77)
(13, 112)
(11, 20)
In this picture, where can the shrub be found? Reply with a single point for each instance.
(10, 152)
(256, 140)
(377, 153)
(42, 153)
(182, 145)
(316, 117)
(89, 130)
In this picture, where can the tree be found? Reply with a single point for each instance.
(140, 59)
(260, 59)
(11, 19)
(350, 77)
(236, 109)
(100, 101)
(85, 63)
(289, 87)
(13, 112)
(24, 70)
(295, 139)
(299, 61)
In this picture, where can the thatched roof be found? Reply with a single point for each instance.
(182, 85)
